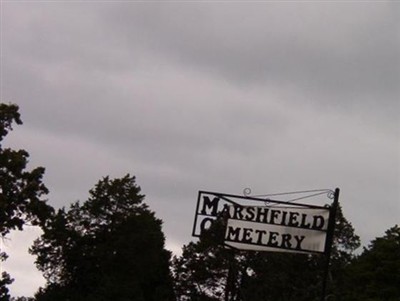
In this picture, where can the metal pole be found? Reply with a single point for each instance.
(231, 277)
(329, 241)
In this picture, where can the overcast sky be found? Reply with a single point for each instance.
(214, 95)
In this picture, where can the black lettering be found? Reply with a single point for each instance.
(233, 234)
(247, 235)
(238, 213)
(299, 240)
(204, 222)
(293, 222)
(262, 214)
(274, 216)
(250, 214)
(304, 223)
(225, 212)
(272, 239)
(283, 220)
(211, 205)
(318, 222)
(286, 244)
(260, 235)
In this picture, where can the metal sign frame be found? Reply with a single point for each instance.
(208, 210)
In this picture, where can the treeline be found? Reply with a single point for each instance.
(111, 247)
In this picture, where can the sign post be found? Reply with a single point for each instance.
(329, 243)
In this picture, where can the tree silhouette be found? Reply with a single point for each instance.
(375, 274)
(109, 247)
(21, 190)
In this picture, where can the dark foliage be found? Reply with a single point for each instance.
(109, 247)
(21, 191)
(375, 274)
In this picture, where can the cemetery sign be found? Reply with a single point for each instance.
(265, 225)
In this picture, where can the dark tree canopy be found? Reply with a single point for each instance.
(21, 190)
(109, 247)
(206, 268)
(375, 274)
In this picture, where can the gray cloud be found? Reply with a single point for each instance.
(333, 48)
(215, 96)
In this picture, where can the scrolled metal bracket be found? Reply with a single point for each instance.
(247, 191)
(330, 194)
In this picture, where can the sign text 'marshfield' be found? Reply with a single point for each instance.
(278, 226)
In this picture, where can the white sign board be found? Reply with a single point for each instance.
(283, 229)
